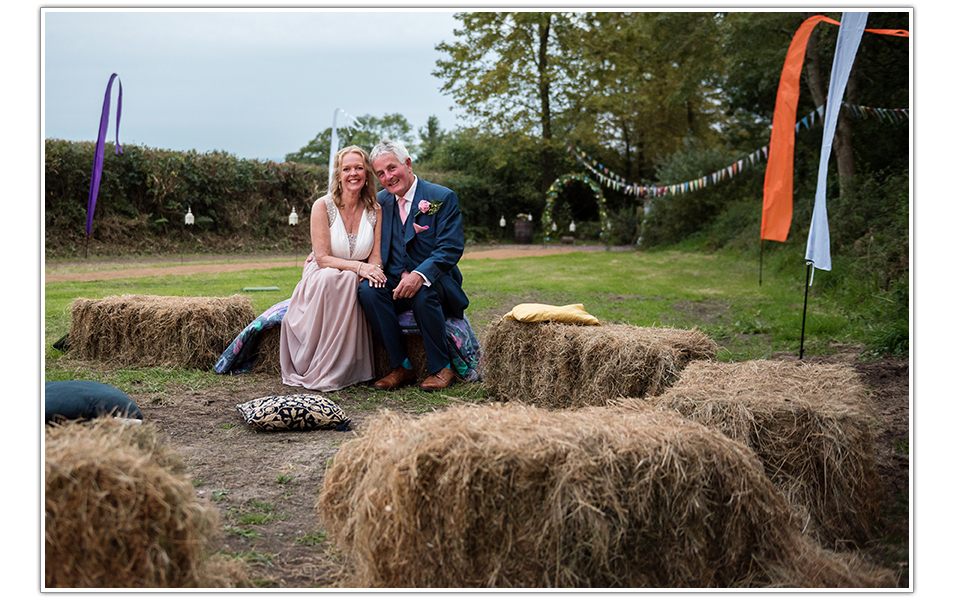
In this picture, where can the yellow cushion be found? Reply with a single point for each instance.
(533, 313)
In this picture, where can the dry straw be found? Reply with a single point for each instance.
(268, 354)
(562, 366)
(519, 496)
(268, 359)
(809, 424)
(166, 331)
(414, 344)
(119, 513)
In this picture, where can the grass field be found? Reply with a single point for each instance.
(718, 293)
(265, 486)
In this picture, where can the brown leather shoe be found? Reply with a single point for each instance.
(438, 381)
(395, 379)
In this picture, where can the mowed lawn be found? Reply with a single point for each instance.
(716, 293)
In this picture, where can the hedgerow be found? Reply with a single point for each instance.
(145, 193)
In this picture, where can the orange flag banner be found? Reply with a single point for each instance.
(777, 191)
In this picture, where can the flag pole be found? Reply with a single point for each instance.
(761, 250)
(808, 272)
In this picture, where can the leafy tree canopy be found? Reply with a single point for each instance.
(370, 132)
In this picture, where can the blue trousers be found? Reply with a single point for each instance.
(381, 311)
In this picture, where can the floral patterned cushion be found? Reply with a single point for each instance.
(300, 412)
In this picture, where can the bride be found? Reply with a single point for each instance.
(325, 340)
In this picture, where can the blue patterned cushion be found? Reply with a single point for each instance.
(299, 412)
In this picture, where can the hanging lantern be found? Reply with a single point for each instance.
(530, 217)
(189, 217)
(572, 227)
(554, 226)
(503, 222)
(293, 218)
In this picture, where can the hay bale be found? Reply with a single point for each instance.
(562, 366)
(518, 496)
(119, 513)
(414, 344)
(166, 331)
(268, 358)
(809, 424)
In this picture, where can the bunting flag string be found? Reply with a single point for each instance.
(777, 189)
(610, 179)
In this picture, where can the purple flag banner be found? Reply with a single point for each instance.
(101, 150)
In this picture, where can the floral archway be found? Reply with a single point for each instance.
(554, 192)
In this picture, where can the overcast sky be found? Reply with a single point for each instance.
(254, 83)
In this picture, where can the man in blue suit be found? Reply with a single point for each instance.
(422, 238)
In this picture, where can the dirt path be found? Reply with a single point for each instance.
(142, 271)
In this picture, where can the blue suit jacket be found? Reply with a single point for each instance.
(433, 252)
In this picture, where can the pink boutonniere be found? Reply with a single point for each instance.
(425, 207)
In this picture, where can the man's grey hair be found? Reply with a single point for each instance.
(390, 147)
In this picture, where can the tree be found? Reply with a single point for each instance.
(431, 139)
(652, 82)
(372, 130)
(756, 45)
(513, 72)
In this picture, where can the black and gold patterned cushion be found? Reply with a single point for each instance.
(300, 412)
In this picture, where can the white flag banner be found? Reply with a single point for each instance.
(349, 121)
(849, 37)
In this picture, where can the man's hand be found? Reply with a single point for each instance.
(409, 285)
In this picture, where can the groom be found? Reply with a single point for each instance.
(422, 238)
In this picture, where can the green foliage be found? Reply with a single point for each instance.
(146, 192)
(871, 221)
(515, 72)
(652, 80)
(756, 44)
(673, 217)
(370, 132)
(626, 225)
(431, 139)
(261, 513)
(508, 69)
(493, 176)
(312, 538)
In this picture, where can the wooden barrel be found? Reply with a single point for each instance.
(523, 232)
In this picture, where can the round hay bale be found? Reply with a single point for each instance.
(119, 513)
(165, 331)
(558, 365)
(517, 496)
(809, 424)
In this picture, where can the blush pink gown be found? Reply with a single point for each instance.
(325, 340)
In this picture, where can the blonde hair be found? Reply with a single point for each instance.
(369, 193)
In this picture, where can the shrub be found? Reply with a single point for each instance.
(145, 192)
(626, 222)
(673, 217)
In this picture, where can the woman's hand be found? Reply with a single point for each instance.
(373, 273)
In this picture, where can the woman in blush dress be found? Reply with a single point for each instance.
(325, 340)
